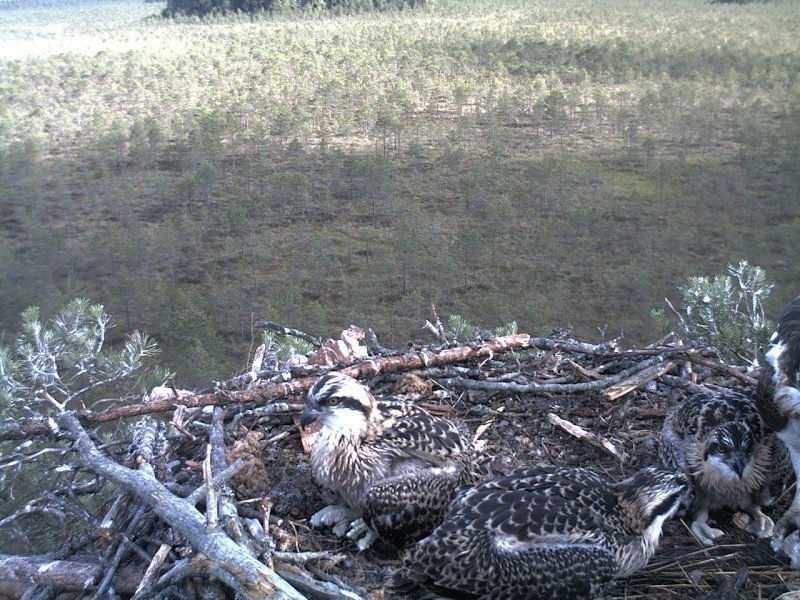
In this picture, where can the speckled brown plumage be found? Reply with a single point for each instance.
(719, 440)
(778, 397)
(541, 533)
(389, 460)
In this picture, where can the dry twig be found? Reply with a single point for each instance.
(595, 440)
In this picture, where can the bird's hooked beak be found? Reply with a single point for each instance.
(738, 462)
(308, 416)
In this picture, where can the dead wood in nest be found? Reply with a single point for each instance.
(208, 493)
(580, 433)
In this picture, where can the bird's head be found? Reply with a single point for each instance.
(730, 449)
(654, 494)
(649, 497)
(340, 402)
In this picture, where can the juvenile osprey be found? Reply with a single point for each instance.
(718, 439)
(391, 462)
(778, 398)
(542, 533)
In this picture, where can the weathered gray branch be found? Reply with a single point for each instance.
(62, 574)
(269, 392)
(314, 341)
(249, 577)
(549, 388)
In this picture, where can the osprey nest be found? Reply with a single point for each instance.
(211, 494)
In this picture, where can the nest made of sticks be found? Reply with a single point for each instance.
(236, 453)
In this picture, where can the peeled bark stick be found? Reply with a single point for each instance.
(154, 567)
(270, 392)
(110, 523)
(599, 441)
(637, 380)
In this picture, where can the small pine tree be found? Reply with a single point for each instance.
(725, 311)
(64, 362)
(53, 366)
(459, 329)
(283, 348)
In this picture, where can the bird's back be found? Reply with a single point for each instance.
(426, 460)
(534, 533)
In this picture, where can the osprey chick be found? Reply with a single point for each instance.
(718, 439)
(778, 398)
(392, 463)
(542, 534)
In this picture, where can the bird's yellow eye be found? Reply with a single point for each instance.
(334, 401)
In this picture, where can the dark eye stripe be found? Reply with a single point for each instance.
(328, 385)
(351, 403)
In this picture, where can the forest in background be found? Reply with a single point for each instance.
(564, 163)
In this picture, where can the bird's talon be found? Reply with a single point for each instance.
(761, 527)
(360, 531)
(332, 515)
(366, 541)
(706, 534)
(357, 529)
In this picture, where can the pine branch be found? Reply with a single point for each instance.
(249, 577)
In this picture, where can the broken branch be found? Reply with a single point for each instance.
(595, 440)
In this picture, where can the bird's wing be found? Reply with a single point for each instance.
(406, 507)
(424, 461)
(565, 572)
(530, 503)
(702, 412)
(430, 440)
(532, 533)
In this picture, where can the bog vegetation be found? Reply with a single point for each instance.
(557, 164)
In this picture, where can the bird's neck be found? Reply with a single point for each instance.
(351, 428)
(636, 553)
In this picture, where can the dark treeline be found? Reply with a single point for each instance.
(207, 7)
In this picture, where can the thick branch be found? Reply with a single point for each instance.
(25, 429)
(252, 578)
(637, 380)
(422, 359)
(722, 368)
(63, 574)
(274, 391)
(513, 387)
